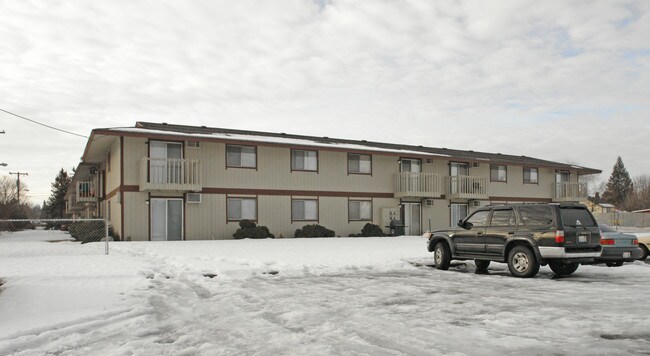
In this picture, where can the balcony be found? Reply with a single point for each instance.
(569, 192)
(420, 185)
(86, 192)
(173, 174)
(467, 187)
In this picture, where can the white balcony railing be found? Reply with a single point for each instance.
(467, 187)
(569, 192)
(86, 192)
(170, 174)
(420, 185)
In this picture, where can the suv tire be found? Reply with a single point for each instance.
(563, 269)
(442, 256)
(522, 262)
(482, 265)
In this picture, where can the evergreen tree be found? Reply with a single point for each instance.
(619, 185)
(55, 205)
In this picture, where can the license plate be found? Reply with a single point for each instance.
(582, 238)
(626, 255)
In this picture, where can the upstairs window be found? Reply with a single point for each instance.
(241, 156)
(530, 175)
(360, 210)
(359, 164)
(498, 173)
(303, 160)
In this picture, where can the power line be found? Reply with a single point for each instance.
(42, 124)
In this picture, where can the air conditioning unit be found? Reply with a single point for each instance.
(475, 164)
(476, 203)
(428, 202)
(193, 198)
(193, 144)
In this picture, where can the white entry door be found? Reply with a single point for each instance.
(412, 219)
(166, 219)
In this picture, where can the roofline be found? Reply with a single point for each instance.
(189, 136)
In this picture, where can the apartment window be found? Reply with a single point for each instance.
(498, 173)
(359, 164)
(241, 156)
(359, 210)
(530, 175)
(242, 209)
(410, 165)
(302, 160)
(304, 210)
(108, 161)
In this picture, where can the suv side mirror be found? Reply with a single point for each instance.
(465, 224)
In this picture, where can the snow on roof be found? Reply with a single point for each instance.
(268, 139)
(607, 205)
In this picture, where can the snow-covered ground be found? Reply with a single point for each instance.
(338, 296)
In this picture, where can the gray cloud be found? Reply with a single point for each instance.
(554, 79)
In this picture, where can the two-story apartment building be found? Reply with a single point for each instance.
(158, 181)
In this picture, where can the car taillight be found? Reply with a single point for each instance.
(635, 242)
(559, 236)
(607, 242)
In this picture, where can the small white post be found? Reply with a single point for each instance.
(106, 233)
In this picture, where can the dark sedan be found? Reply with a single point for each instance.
(618, 247)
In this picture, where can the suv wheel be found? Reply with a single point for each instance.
(563, 269)
(482, 265)
(442, 256)
(522, 262)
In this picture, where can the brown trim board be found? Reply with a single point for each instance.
(296, 192)
(122, 234)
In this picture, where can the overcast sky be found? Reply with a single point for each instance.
(561, 80)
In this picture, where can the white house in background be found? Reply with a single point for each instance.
(157, 181)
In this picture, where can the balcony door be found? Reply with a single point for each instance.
(561, 177)
(165, 162)
(412, 218)
(456, 170)
(166, 219)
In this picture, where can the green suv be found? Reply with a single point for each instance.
(525, 236)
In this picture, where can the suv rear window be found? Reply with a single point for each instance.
(576, 217)
(541, 215)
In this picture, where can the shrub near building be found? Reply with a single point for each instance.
(314, 230)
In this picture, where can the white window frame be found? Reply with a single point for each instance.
(233, 215)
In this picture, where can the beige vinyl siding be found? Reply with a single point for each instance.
(274, 171)
(135, 148)
(136, 211)
(113, 177)
(116, 214)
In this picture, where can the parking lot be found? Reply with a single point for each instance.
(156, 299)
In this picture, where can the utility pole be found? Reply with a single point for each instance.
(18, 184)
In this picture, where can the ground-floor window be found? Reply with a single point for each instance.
(457, 212)
(360, 210)
(304, 210)
(242, 209)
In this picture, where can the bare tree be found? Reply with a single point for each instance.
(8, 192)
